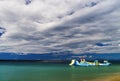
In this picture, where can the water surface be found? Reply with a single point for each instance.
(36, 71)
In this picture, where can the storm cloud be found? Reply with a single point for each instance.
(80, 26)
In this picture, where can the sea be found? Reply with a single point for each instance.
(44, 71)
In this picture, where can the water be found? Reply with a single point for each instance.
(36, 71)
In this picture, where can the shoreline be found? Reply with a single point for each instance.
(38, 61)
(51, 61)
(112, 77)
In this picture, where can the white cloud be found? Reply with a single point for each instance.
(55, 25)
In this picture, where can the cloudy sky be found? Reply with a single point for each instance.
(40, 26)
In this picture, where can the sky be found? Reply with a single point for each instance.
(44, 26)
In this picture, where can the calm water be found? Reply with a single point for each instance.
(26, 71)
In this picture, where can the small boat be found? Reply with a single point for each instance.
(83, 62)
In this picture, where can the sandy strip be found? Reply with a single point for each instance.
(112, 77)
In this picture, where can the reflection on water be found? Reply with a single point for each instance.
(26, 71)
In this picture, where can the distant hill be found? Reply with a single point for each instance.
(60, 56)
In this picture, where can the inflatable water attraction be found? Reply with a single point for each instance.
(83, 62)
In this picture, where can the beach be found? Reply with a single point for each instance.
(112, 77)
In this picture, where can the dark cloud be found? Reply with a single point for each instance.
(28, 2)
(2, 31)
